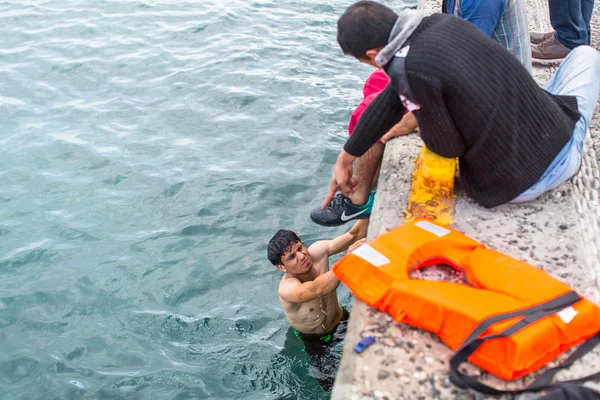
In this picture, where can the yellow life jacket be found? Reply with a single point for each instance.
(510, 319)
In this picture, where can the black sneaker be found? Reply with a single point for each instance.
(341, 210)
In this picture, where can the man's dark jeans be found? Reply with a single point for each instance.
(571, 21)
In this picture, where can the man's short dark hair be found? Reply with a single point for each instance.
(279, 244)
(365, 25)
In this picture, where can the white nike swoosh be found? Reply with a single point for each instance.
(345, 217)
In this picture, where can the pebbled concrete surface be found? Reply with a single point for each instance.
(559, 232)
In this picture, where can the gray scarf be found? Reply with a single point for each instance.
(408, 20)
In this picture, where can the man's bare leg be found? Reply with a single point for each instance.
(366, 170)
(343, 209)
(367, 167)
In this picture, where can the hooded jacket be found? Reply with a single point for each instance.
(472, 100)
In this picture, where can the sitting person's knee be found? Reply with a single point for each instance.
(587, 51)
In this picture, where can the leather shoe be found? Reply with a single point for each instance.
(537, 38)
(549, 50)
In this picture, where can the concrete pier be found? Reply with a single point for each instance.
(559, 233)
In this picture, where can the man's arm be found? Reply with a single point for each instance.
(407, 125)
(294, 291)
(326, 248)
(341, 243)
(379, 117)
(438, 132)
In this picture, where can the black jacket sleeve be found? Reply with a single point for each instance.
(379, 117)
(436, 127)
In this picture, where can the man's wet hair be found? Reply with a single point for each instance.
(365, 25)
(279, 244)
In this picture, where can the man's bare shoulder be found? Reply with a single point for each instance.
(288, 282)
(319, 249)
(288, 285)
(287, 279)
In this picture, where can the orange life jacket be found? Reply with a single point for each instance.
(510, 319)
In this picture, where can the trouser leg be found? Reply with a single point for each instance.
(567, 19)
(576, 76)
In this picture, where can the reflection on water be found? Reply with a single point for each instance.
(149, 150)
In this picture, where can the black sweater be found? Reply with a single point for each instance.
(478, 103)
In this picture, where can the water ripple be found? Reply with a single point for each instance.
(149, 151)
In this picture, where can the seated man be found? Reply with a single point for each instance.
(307, 290)
(472, 100)
(503, 21)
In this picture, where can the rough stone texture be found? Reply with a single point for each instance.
(558, 232)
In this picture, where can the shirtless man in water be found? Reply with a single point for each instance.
(307, 290)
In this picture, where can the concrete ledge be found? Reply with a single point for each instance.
(558, 232)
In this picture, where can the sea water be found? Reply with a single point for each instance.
(149, 149)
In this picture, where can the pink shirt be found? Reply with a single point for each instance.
(374, 84)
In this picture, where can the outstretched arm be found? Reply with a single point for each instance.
(294, 291)
(341, 243)
(326, 248)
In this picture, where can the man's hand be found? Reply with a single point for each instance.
(360, 228)
(407, 124)
(356, 245)
(342, 178)
(342, 242)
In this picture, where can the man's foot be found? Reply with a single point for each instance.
(537, 38)
(549, 50)
(341, 210)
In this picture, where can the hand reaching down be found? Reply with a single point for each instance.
(342, 178)
(407, 125)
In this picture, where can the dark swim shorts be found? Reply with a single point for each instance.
(323, 355)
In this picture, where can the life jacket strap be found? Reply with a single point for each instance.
(530, 315)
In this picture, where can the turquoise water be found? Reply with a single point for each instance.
(149, 150)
